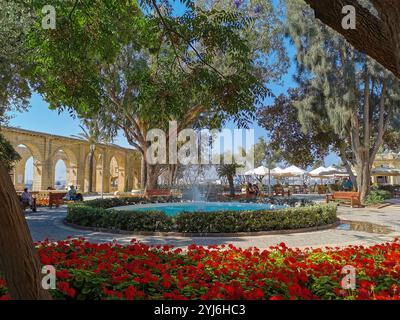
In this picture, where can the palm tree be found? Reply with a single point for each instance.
(94, 133)
(228, 171)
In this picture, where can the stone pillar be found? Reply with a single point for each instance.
(104, 175)
(80, 168)
(19, 174)
(47, 174)
(46, 167)
(137, 172)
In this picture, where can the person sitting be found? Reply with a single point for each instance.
(26, 200)
(72, 195)
(256, 190)
(250, 192)
(347, 185)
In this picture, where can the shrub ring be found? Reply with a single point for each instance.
(207, 234)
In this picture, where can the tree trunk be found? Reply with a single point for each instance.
(143, 173)
(363, 180)
(152, 177)
(172, 171)
(231, 185)
(91, 169)
(19, 260)
(269, 182)
(375, 36)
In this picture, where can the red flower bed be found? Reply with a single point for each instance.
(137, 271)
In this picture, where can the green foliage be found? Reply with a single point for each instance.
(295, 145)
(377, 196)
(264, 33)
(260, 220)
(67, 60)
(227, 170)
(93, 131)
(8, 156)
(118, 219)
(260, 150)
(14, 89)
(88, 284)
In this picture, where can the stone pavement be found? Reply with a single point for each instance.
(48, 223)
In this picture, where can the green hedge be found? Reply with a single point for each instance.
(87, 214)
(118, 219)
(260, 220)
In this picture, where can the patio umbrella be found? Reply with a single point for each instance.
(261, 171)
(333, 170)
(292, 171)
(249, 173)
(316, 173)
(276, 172)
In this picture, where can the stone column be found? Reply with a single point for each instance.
(80, 167)
(46, 168)
(106, 176)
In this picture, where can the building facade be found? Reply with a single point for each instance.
(389, 160)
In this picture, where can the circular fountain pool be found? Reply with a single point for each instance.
(172, 209)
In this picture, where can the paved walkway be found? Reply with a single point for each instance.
(48, 223)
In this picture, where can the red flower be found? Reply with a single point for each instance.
(66, 289)
(276, 298)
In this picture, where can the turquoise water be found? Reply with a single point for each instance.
(172, 209)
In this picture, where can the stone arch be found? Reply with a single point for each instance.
(27, 150)
(71, 163)
(117, 173)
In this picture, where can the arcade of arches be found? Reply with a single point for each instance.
(114, 168)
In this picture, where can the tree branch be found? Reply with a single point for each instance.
(372, 34)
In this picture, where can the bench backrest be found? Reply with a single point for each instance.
(346, 195)
(57, 195)
(158, 192)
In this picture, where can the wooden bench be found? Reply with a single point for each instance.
(158, 193)
(352, 197)
(56, 198)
